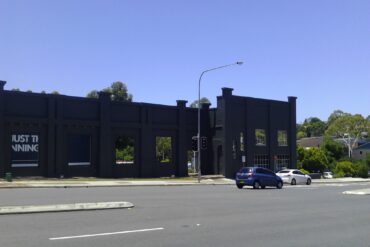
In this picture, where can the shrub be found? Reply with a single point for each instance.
(314, 160)
(304, 171)
(367, 160)
(361, 169)
(345, 169)
(339, 174)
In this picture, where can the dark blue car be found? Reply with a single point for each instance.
(257, 177)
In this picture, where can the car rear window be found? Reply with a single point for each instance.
(246, 170)
(283, 171)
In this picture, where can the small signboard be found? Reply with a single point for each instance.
(244, 159)
(25, 150)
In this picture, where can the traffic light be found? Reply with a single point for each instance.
(203, 142)
(194, 143)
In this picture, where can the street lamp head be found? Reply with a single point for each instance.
(239, 63)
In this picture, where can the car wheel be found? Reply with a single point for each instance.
(308, 181)
(279, 185)
(240, 186)
(256, 185)
(293, 182)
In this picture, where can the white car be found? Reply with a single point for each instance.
(294, 176)
(327, 175)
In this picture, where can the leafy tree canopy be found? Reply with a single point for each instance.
(349, 125)
(202, 101)
(335, 115)
(334, 150)
(349, 128)
(311, 127)
(93, 94)
(118, 91)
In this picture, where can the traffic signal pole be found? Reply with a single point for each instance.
(198, 141)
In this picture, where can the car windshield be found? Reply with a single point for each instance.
(283, 171)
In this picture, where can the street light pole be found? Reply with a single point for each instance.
(198, 136)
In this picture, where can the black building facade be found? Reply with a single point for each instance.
(62, 136)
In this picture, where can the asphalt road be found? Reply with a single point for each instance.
(316, 215)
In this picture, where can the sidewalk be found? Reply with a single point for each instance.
(100, 182)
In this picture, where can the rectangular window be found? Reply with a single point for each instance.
(260, 137)
(25, 150)
(79, 150)
(163, 148)
(282, 161)
(262, 160)
(241, 141)
(125, 150)
(282, 138)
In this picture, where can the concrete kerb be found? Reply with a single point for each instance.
(64, 207)
(108, 183)
(111, 186)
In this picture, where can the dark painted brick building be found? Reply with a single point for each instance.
(56, 135)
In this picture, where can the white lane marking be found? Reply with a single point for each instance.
(106, 234)
(323, 185)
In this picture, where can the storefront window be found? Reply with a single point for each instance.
(282, 138)
(163, 149)
(25, 150)
(261, 160)
(260, 137)
(125, 150)
(79, 150)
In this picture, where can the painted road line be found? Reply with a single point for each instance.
(106, 234)
(357, 192)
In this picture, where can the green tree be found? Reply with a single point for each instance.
(93, 94)
(344, 169)
(366, 160)
(118, 91)
(313, 126)
(335, 115)
(301, 135)
(203, 100)
(333, 150)
(361, 169)
(300, 131)
(349, 128)
(125, 149)
(313, 160)
(163, 149)
(55, 93)
(300, 155)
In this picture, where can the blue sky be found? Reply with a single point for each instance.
(317, 50)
